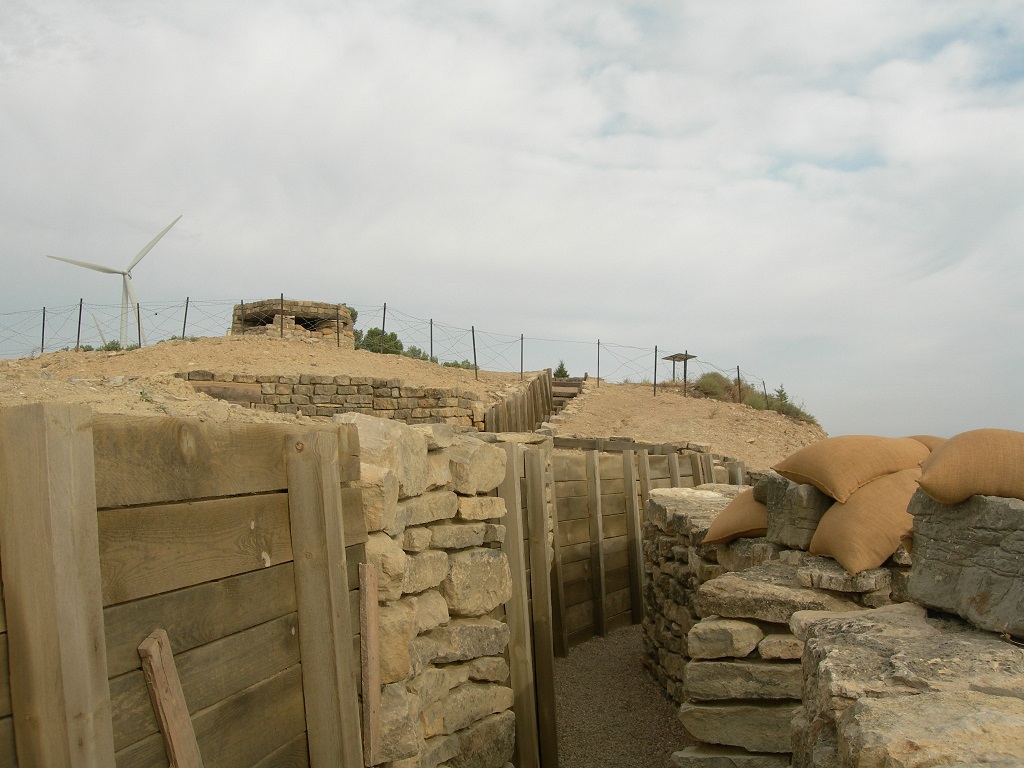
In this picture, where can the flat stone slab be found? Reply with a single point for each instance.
(768, 592)
(687, 512)
(826, 573)
(712, 756)
(969, 560)
(754, 727)
(714, 638)
(965, 728)
(891, 653)
(738, 679)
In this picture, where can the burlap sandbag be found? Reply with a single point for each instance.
(744, 517)
(863, 532)
(839, 466)
(931, 442)
(989, 462)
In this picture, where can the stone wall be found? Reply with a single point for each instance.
(769, 650)
(433, 536)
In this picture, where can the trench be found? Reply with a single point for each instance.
(610, 712)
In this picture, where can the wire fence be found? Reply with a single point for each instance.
(87, 326)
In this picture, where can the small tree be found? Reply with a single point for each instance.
(560, 371)
(376, 340)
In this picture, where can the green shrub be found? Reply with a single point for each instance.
(560, 371)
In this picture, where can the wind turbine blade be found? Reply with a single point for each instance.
(97, 324)
(87, 265)
(149, 247)
(135, 306)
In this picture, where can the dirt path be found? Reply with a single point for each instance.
(611, 714)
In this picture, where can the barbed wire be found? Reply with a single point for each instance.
(27, 333)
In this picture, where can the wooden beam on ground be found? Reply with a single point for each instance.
(321, 591)
(540, 584)
(169, 701)
(634, 540)
(51, 580)
(369, 647)
(596, 520)
(644, 467)
(517, 616)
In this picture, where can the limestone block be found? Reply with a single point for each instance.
(431, 610)
(392, 564)
(400, 737)
(494, 533)
(877, 598)
(436, 435)
(687, 512)
(965, 728)
(740, 554)
(476, 467)
(760, 727)
(425, 570)
(793, 520)
(897, 652)
(801, 622)
(826, 573)
(397, 628)
(481, 507)
(437, 750)
(900, 591)
(464, 639)
(422, 650)
(478, 581)
(673, 664)
(780, 647)
(703, 570)
(902, 557)
(471, 701)
(487, 743)
(766, 593)
(380, 496)
(792, 557)
(716, 756)
(736, 679)
(967, 559)
(714, 638)
(493, 669)
(427, 508)
(770, 488)
(416, 539)
(394, 445)
(439, 472)
(458, 535)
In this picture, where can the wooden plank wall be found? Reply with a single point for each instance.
(195, 536)
(523, 411)
(585, 481)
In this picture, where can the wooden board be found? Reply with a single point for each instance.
(568, 466)
(161, 675)
(369, 651)
(579, 590)
(294, 754)
(149, 550)
(238, 731)
(579, 616)
(51, 583)
(8, 756)
(5, 678)
(572, 553)
(325, 623)
(517, 615)
(198, 615)
(208, 674)
(570, 488)
(574, 532)
(597, 523)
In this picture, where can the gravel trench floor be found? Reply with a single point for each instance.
(611, 713)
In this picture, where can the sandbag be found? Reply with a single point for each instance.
(744, 517)
(989, 462)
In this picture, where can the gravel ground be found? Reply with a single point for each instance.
(611, 714)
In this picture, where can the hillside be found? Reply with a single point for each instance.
(142, 381)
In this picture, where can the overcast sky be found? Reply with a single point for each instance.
(829, 195)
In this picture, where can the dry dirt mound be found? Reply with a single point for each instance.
(142, 381)
(760, 438)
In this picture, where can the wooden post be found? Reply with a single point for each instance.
(708, 463)
(540, 585)
(644, 465)
(517, 616)
(673, 470)
(737, 472)
(634, 538)
(597, 580)
(49, 550)
(697, 468)
(321, 592)
(369, 648)
(169, 701)
(561, 634)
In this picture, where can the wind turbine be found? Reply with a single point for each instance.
(128, 296)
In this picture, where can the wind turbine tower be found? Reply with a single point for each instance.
(128, 296)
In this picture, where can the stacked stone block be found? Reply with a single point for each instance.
(311, 320)
(433, 536)
(325, 395)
